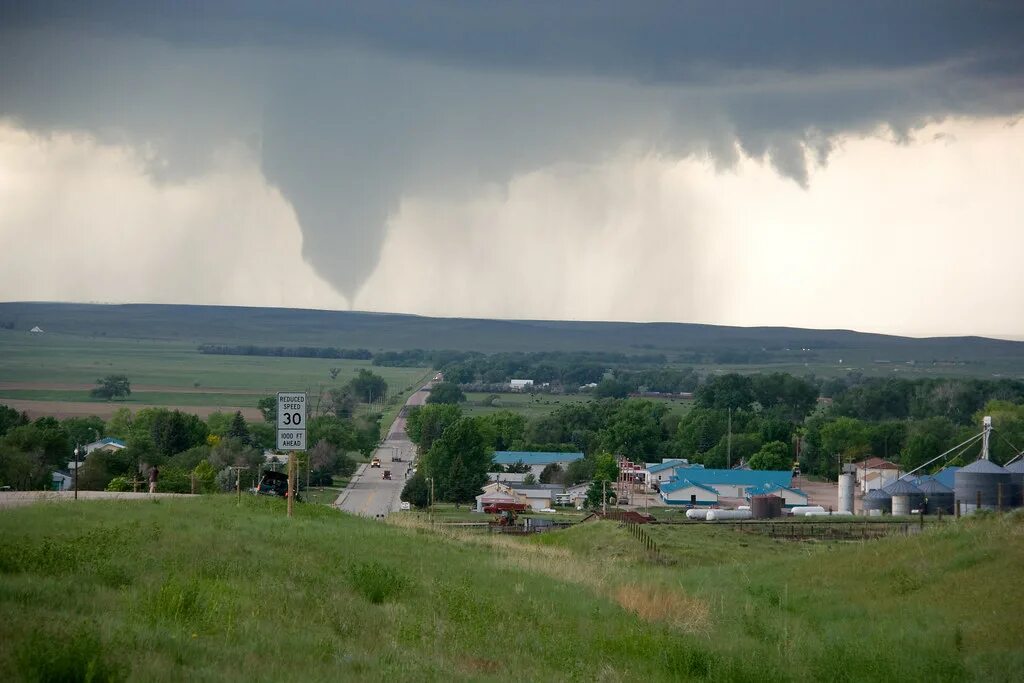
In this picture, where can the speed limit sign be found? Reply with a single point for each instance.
(291, 420)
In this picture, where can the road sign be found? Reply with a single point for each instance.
(291, 410)
(291, 439)
(291, 421)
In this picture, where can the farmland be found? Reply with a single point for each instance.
(52, 370)
(539, 405)
(326, 596)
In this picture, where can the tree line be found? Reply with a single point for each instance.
(285, 351)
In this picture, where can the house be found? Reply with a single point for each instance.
(520, 384)
(537, 496)
(734, 483)
(664, 470)
(274, 458)
(681, 491)
(875, 473)
(496, 493)
(535, 460)
(63, 480)
(575, 496)
(790, 497)
(107, 445)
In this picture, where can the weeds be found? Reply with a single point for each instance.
(376, 582)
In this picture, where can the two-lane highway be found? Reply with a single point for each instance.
(368, 493)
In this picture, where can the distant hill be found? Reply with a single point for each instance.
(388, 331)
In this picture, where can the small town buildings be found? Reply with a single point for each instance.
(664, 470)
(63, 480)
(496, 493)
(790, 497)
(875, 473)
(536, 460)
(520, 384)
(685, 492)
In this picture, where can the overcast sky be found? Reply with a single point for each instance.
(812, 164)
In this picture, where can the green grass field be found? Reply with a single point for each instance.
(539, 405)
(59, 368)
(203, 589)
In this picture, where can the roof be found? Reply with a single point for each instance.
(981, 466)
(765, 490)
(739, 477)
(662, 466)
(678, 483)
(1016, 467)
(107, 441)
(901, 487)
(876, 463)
(946, 476)
(534, 457)
(516, 486)
(932, 485)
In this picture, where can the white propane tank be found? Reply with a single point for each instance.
(826, 513)
(697, 514)
(801, 510)
(715, 515)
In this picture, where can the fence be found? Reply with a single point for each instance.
(637, 532)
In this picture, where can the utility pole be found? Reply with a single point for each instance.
(76, 470)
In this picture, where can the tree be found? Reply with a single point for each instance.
(530, 479)
(503, 429)
(121, 424)
(111, 387)
(238, 429)
(368, 386)
(83, 430)
(726, 391)
(846, 437)
(23, 471)
(518, 467)
(337, 432)
(458, 462)
(219, 423)
(425, 425)
(552, 474)
(268, 407)
(772, 456)
(10, 418)
(205, 477)
(636, 429)
(173, 431)
(416, 491)
(44, 437)
(100, 467)
(342, 401)
(612, 388)
(446, 392)
(606, 471)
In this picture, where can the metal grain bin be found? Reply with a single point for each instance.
(984, 477)
(1016, 470)
(937, 496)
(905, 497)
(877, 501)
(766, 506)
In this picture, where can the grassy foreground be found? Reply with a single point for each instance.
(203, 590)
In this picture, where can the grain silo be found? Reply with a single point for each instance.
(1016, 470)
(937, 496)
(846, 487)
(766, 506)
(905, 497)
(980, 482)
(876, 502)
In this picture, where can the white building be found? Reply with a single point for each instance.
(520, 384)
(685, 492)
(875, 473)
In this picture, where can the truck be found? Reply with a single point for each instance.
(387, 474)
(375, 462)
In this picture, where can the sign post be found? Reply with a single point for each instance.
(291, 432)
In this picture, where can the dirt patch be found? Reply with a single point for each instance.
(63, 409)
(658, 604)
(821, 493)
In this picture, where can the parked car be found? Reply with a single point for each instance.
(273, 484)
(387, 474)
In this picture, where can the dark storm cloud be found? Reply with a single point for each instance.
(351, 107)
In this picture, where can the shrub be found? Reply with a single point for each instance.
(376, 582)
(119, 484)
(77, 656)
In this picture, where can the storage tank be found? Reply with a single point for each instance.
(799, 510)
(984, 477)
(715, 515)
(846, 487)
(937, 496)
(826, 513)
(766, 507)
(1016, 470)
(694, 513)
(876, 502)
(905, 497)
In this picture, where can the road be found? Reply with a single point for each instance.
(368, 493)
